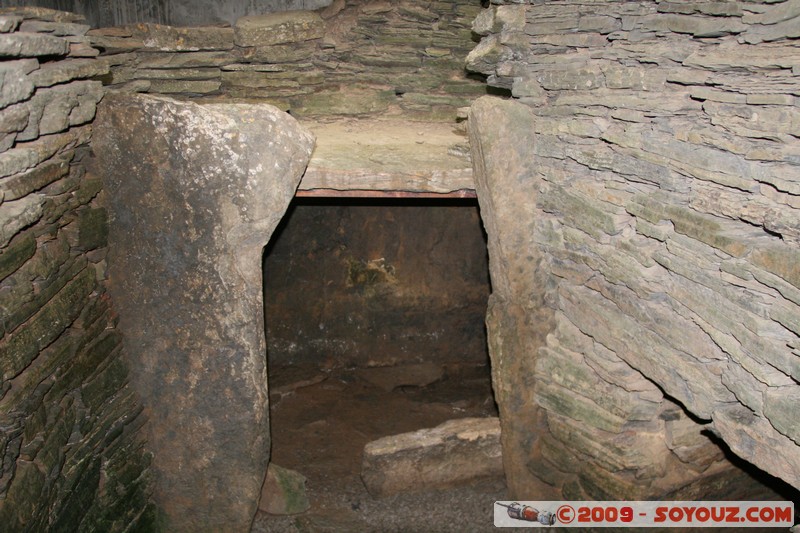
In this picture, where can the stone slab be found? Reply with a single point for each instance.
(455, 452)
(278, 28)
(387, 155)
(195, 192)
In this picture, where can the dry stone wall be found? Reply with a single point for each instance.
(354, 58)
(667, 178)
(70, 458)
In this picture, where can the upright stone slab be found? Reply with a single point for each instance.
(194, 194)
(518, 319)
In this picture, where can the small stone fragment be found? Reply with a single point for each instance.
(284, 492)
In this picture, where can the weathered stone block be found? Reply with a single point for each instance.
(170, 38)
(62, 71)
(32, 45)
(452, 453)
(227, 173)
(485, 57)
(754, 439)
(20, 250)
(15, 86)
(18, 214)
(92, 229)
(184, 86)
(279, 53)
(780, 404)
(155, 60)
(278, 28)
(24, 344)
(351, 102)
(42, 13)
(27, 155)
(9, 23)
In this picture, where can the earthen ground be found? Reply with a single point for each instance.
(321, 421)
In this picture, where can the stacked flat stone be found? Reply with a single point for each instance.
(667, 167)
(355, 59)
(68, 421)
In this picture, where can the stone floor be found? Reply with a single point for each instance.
(320, 424)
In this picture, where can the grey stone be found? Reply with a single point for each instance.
(159, 37)
(455, 452)
(204, 73)
(27, 155)
(31, 45)
(42, 13)
(284, 492)
(63, 71)
(223, 175)
(55, 109)
(278, 28)
(518, 319)
(15, 86)
(167, 60)
(696, 26)
(278, 53)
(9, 23)
(18, 214)
(717, 9)
(485, 57)
(754, 439)
(788, 29)
(779, 408)
(183, 86)
(775, 14)
(60, 29)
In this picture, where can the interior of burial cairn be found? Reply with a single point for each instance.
(322, 265)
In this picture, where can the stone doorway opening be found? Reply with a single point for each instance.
(374, 319)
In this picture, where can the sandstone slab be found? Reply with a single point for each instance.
(518, 318)
(455, 452)
(386, 155)
(195, 192)
(278, 28)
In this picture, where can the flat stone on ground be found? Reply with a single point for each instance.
(455, 452)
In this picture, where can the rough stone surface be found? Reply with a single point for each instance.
(388, 155)
(662, 142)
(278, 28)
(518, 318)
(195, 192)
(360, 58)
(455, 452)
(284, 492)
(71, 454)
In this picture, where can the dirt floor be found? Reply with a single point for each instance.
(321, 422)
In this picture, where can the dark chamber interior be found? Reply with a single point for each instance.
(374, 315)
